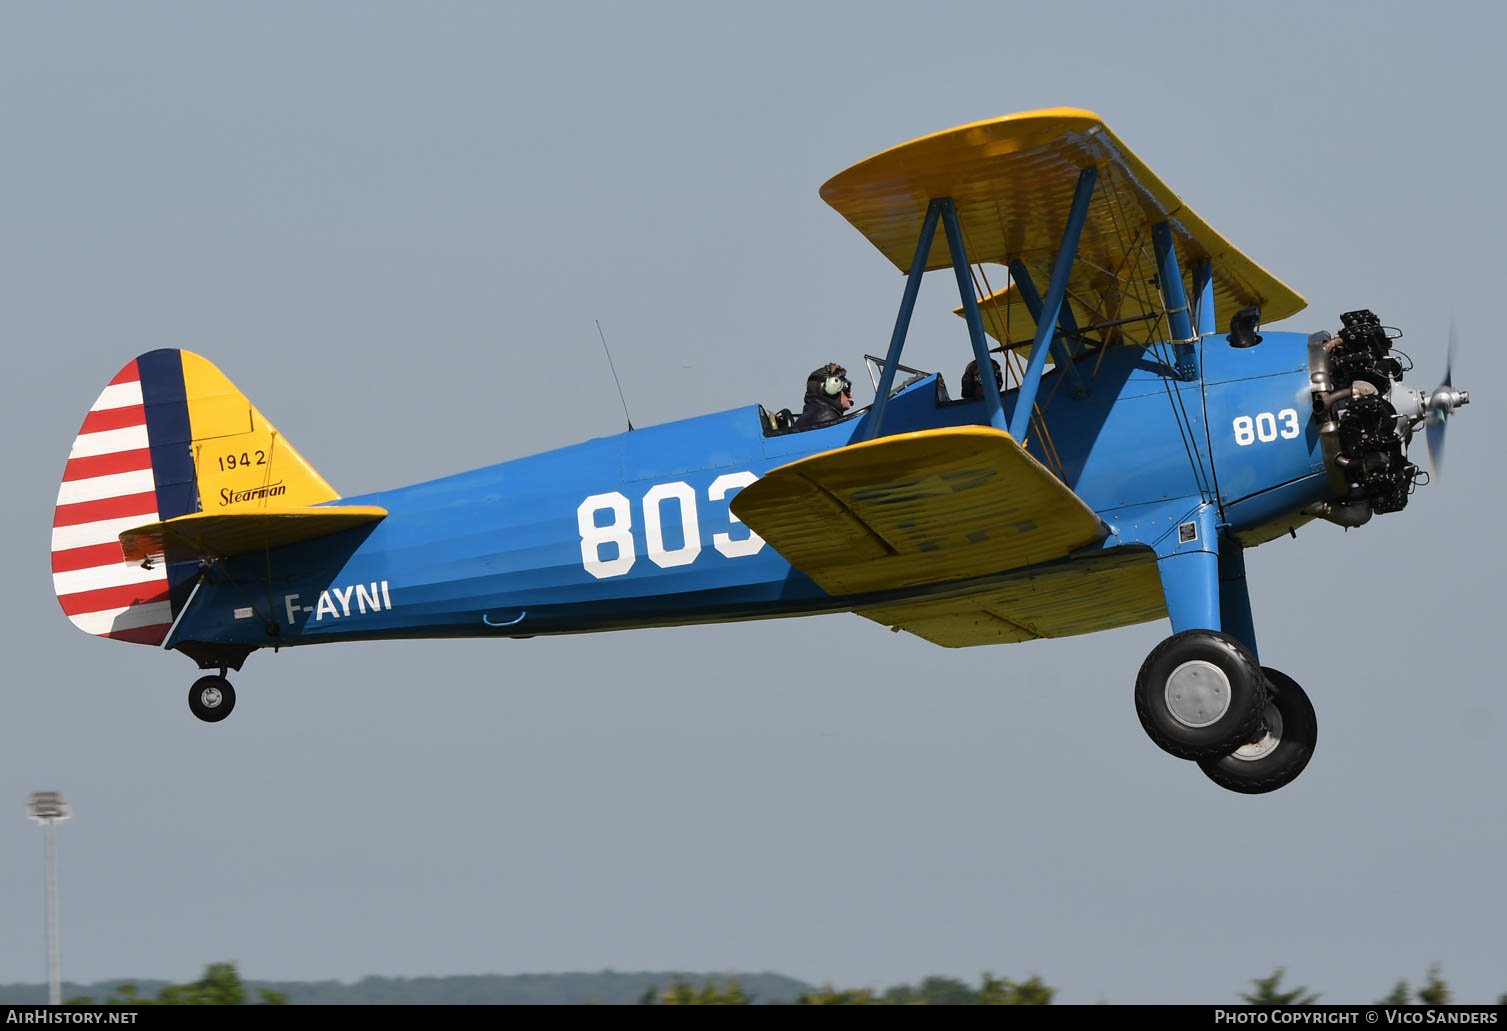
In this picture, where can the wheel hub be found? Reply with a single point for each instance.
(1198, 694)
(1269, 740)
(211, 698)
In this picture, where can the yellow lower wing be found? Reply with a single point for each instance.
(1116, 588)
(916, 509)
(211, 535)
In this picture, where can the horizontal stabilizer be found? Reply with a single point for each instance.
(211, 535)
(915, 509)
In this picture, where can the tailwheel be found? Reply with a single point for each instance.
(1200, 695)
(1279, 755)
(211, 698)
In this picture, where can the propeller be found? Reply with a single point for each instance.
(1444, 400)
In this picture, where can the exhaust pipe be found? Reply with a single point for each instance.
(1342, 513)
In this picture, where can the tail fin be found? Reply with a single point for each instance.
(168, 436)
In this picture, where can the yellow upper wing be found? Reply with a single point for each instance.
(1007, 319)
(1013, 178)
(916, 508)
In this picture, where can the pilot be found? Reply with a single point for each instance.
(972, 386)
(828, 396)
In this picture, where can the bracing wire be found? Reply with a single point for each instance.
(1128, 274)
(1185, 428)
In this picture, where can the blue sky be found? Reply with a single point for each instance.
(394, 225)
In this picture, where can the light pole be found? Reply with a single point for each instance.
(47, 808)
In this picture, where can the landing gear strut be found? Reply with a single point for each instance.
(1201, 694)
(211, 698)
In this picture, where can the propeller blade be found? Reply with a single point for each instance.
(1434, 435)
(1449, 360)
(1439, 407)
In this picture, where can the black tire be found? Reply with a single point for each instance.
(1290, 733)
(211, 698)
(1200, 695)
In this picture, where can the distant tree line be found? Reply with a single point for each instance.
(934, 991)
(1267, 991)
(221, 985)
(994, 991)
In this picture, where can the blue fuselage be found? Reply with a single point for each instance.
(635, 529)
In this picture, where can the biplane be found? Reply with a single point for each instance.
(1144, 434)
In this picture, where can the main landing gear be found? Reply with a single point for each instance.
(1201, 696)
(211, 698)
(1290, 732)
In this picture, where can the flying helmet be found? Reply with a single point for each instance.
(828, 382)
(972, 386)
